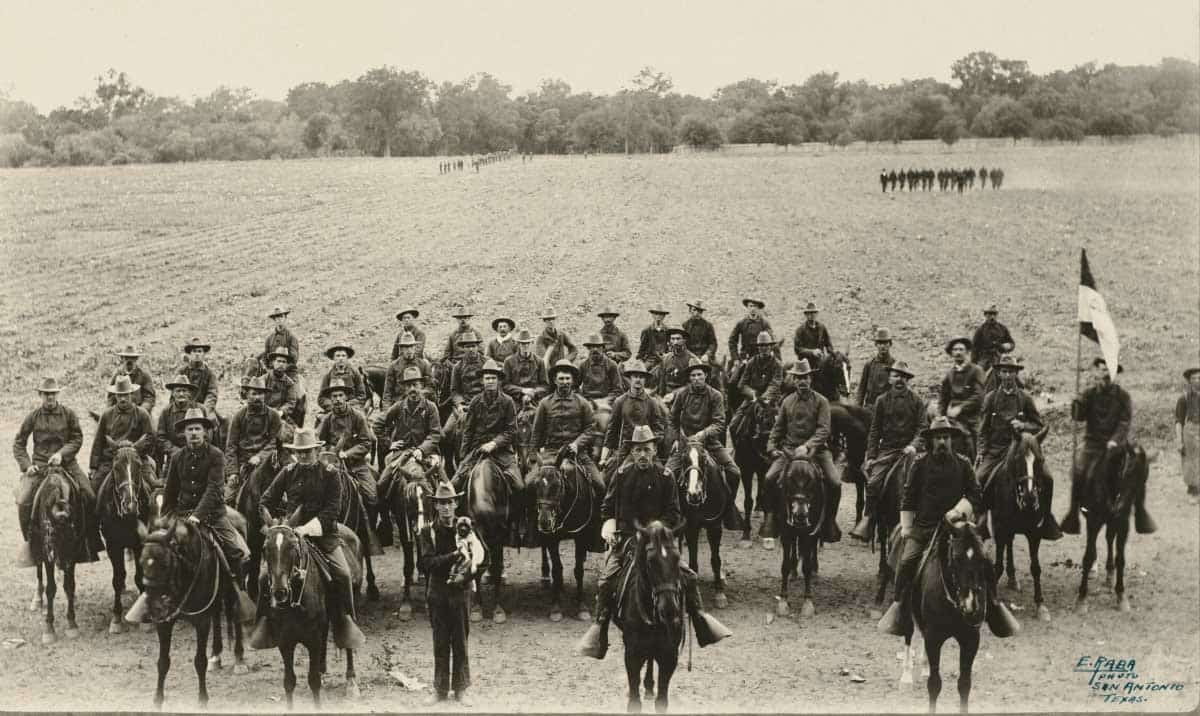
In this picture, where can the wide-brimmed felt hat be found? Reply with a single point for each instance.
(902, 368)
(50, 385)
(697, 363)
(811, 307)
(503, 319)
(524, 335)
(468, 338)
(180, 381)
(257, 382)
(677, 331)
(445, 492)
(123, 386)
(196, 343)
(1187, 374)
(400, 314)
(411, 375)
(304, 439)
(406, 339)
(547, 313)
(658, 309)
(697, 304)
(991, 309)
(128, 352)
(193, 415)
(460, 311)
(607, 312)
(279, 311)
(801, 368)
(564, 364)
(1097, 362)
(756, 301)
(281, 352)
(1007, 362)
(593, 339)
(941, 424)
(337, 384)
(956, 340)
(883, 335)
(491, 366)
(642, 434)
(635, 367)
(764, 339)
(342, 346)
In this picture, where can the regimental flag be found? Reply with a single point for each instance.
(1094, 321)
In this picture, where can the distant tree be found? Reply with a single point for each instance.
(699, 132)
(1061, 129)
(316, 130)
(950, 130)
(1003, 117)
(381, 98)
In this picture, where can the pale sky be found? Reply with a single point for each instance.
(51, 52)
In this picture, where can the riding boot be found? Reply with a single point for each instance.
(1000, 620)
(24, 553)
(1050, 530)
(766, 500)
(263, 635)
(708, 629)
(733, 517)
(385, 530)
(595, 641)
(831, 532)
(982, 524)
(1070, 523)
(897, 620)
(1142, 521)
(865, 527)
(339, 608)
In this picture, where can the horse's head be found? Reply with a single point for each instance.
(840, 364)
(1026, 468)
(968, 571)
(550, 488)
(53, 509)
(283, 559)
(803, 496)
(169, 551)
(126, 481)
(695, 488)
(660, 554)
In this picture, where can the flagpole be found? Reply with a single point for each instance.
(1071, 405)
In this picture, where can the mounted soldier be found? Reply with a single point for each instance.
(640, 492)
(552, 345)
(701, 337)
(409, 356)
(503, 345)
(616, 343)
(812, 338)
(761, 371)
(182, 399)
(122, 424)
(466, 379)
(564, 418)
(452, 353)
(408, 324)
(145, 397)
(411, 425)
(313, 494)
(341, 353)
(653, 342)
(961, 394)
(489, 430)
(282, 394)
(346, 429)
(743, 340)
(198, 372)
(281, 337)
(632, 408)
(876, 372)
(599, 376)
(992, 339)
(524, 373)
(252, 446)
(676, 364)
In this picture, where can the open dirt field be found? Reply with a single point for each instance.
(152, 255)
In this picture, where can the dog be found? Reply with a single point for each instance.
(471, 553)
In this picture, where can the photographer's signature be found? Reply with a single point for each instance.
(1118, 681)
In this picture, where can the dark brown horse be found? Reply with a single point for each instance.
(57, 541)
(848, 429)
(567, 508)
(254, 483)
(359, 519)
(800, 515)
(409, 499)
(651, 614)
(887, 517)
(1109, 493)
(703, 500)
(1017, 499)
(489, 503)
(121, 519)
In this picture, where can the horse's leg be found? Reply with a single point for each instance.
(39, 590)
(1010, 569)
(318, 651)
(1035, 570)
(906, 662)
(633, 673)
(785, 570)
(556, 579)
(287, 650)
(933, 653)
(860, 498)
(810, 568)
(1110, 534)
(164, 660)
(233, 619)
(497, 572)
(998, 565)
(1089, 558)
(581, 552)
(69, 587)
(883, 578)
(968, 646)
(353, 693)
(476, 612)
(406, 545)
(714, 551)
(648, 681)
(48, 636)
(1122, 536)
(666, 669)
(372, 589)
(200, 660)
(693, 546)
(116, 558)
(747, 472)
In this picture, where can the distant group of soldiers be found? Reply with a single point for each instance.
(947, 179)
(459, 165)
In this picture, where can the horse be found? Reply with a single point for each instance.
(408, 498)
(356, 516)
(1017, 496)
(298, 603)
(246, 502)
(831, 373)
(254, 366)
(1108, 493)
(887, 517)
(120, 519)
(57, 539)
(949, 600)
(488, 503)
(800, 516)
(374, 378)
(651, 614)
(749, 430)
(601, 416)
(184, 580)
(849, 425)
(567, 508)
(703, 501)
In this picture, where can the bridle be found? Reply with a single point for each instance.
(133, 490)
(292, 599)
(163, 537)
(553, 504)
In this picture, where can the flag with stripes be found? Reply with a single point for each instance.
(1094, 321)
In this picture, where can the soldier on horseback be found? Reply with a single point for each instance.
(940, 486)
(346, 428)
(896, 423)
(313, 493)
(340, 354)
(763, 370)
(282, 394)
(1008, 410)
(524, 373)
(503, 345)
(811, 336)
(454, 346)
(653, 342)
(640, 492)
(876, 372)
(409, 356)
(199, 373)
(961, 394)
(57, 438)
(701, 337)
(408, 324)
(553, 345)
(490, 426)
(992, 339)
(145, 397)
(743, 340)
(676, 364)
(599, 376)
(252, 445)
(1107, 411)
(122, 424)
(182, 399)
(564, 418)
(698, 416)
(281, 337)
(801, 431)
(413, 424)
(632, 408)
(616, 343)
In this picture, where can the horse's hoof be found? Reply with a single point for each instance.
(721, 600)
(116, 626)
(353, 693)
(768, 543)
(71, 633)
(1108, 580)
(546, 580)
(1124, 605)
(556, 616)
(1081, 607)
(906, 678)
(405, 611)
(498, 616)
(584, 615)
(48, 637)
(214, 663)
(373, 593)
(241, 669)
(1014, 584)
(781, 607)
(476, 614)
(146, 627)
(35, 604)
(1043, 613)
(807, 609)
(746, 543)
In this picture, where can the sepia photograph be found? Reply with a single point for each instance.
(542, 357)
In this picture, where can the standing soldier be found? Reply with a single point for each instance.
(616, 343)
(281, 337)
(408, 324)
(1187, 433)
(347, 431)
(281, 389)
(632, 408)
(991, 340)
(599, 376)
(145, 397)
(673, 373)
(875, 372)
(445, 600)
(812, 338)
(57, 438)
(182, 399)
(763, 370)
(198, 372)
(453, 350)
(552, 345)
(1107, 411)
(524, 373)
(122, 424)
(503, 345)
(252, 446)
(341, 353)
(961, 394)
(409, 357)
(743, 340)
(412, 424)
(702, 338)
(653, 342)
(896, 423)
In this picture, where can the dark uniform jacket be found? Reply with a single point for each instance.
(437, 551)
(132, 425)
(523, 372)
(803, 419)
(811, 338)
(936, 485)
(281, 339)
(559, 341)
(699, 413)
(202, 377)
(53, 431)
(702, 339)
(170, 440)
(251, 433)
(352, 378)
(491, 416)
(637, 496)
(144, 395)
(673, 373)
(415, 423)
(963, 388)
(350, 432)
(393, 384)
(896, 422)
(1187, 409)
(453, 351)
(874, 380)
(499, 350)
(1107, 411)
(466, 380)
(630, 411)
(316, 490)
(761, 372)
(988, 338)
(195, 481)
(418, 336)
(616, 344)
(281, 394)
(999, 408)
(600, 378)
(744, 337)
(559, 421)
(652, 345)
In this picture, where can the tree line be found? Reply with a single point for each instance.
(392, 112)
